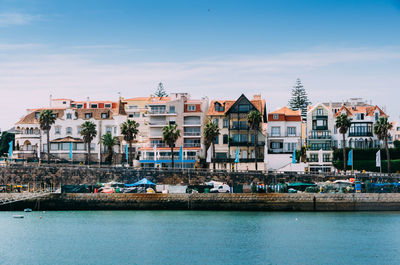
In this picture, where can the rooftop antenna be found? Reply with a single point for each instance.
(119, 95)
(51, 99)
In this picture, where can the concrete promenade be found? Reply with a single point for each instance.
(231, 202)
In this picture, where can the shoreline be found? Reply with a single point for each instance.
(216, 202)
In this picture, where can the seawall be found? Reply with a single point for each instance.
(231, 202)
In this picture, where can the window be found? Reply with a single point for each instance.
(130, 116)
(115, 130)
(216, 121)
(108, 105)
(191, 108)
(171, 109)
(133, 107)
(79, 106)
(225, 139)
(37, 115)
(108, 129)
(69, 130)
(88, 115)
(219, 107)
(53, 146)
(73, 105)
(69, 116)
(275, 131)
(58, 130)
(64, 102)
(65, 146)
(136, 114)
(104, 115)
(244, 108)
(398, 129)
(79, 129)
(276, 145)
(275, 116)
(216, 140)
(225, 123)
(291, 131)
(320, 112)
(93, 106)
(376, 116)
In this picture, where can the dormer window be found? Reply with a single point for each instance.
(37, 115)
(73, 105)
(64, 102)
(69, 116)
(191, 107)
(93, 106)
(320, 112)
(275, 116)
(108, 106)
(376, 116)
(79, 106)
(219, 107)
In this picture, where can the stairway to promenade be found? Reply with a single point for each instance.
(8, 198)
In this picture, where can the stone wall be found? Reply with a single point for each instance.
(57, 175)
(237, 202)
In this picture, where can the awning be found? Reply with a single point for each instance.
(143, 181)
(67, 139)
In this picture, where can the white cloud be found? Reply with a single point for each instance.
(8, 19)
(26, 81)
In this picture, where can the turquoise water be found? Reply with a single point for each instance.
(199, 237)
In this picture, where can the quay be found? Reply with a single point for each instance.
(227, 202)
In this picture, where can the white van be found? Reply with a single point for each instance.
(221, 189)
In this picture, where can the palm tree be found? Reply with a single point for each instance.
(109, 141)
(88, 132)
(170, 134)
(129, 130)
(381, 129)
(211, 133)
(343, 123)
(254, 119)
(46, 119)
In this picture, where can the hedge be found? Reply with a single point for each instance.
(367, 154)
(370, 165)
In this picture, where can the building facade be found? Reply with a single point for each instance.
(231, 116)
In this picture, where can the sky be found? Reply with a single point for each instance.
(219, 49)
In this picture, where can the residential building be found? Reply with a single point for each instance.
(284, 130)
(320, 125)
(30, 140)
(189, 116)
(231, 116)
(361, 133)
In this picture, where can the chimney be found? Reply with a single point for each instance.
(257, 97)
(87, 102)
(51, 99)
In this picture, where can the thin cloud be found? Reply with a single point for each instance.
(8, 19)
(31, 78)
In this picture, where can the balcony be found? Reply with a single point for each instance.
(240, 127)
(159, 145)
(192, 145)
(357, 134)
(245, 143)
(191, 134)
(158, 124)
(320, 117)
(323, 137)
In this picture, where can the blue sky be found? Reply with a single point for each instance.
(340, 49)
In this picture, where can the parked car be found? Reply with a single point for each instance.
(224, 188)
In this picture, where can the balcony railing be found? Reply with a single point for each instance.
(191, 134)
(245, 143)
(319, 136)
(197, 123)
(240, 127)
(191, 145)
(158, 145)
(369, 134)
(158, 123)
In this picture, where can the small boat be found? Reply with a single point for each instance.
(18, 216)
(28, 210)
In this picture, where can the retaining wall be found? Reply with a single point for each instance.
(236, 202)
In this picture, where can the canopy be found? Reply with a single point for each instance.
(143, 181)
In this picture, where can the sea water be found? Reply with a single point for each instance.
(199, 237)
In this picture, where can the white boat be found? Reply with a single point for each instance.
(28, 210)
(18, 216)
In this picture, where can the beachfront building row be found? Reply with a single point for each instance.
(280, 132)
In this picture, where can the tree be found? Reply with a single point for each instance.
(299, 100)
(211, 133)
(129, 130)
(343, 123)
(381, 129)
(88, 133)
(396, 144)
(170, 134)
(46, 119)
(109, 141)
(160, 92)
(254, 119)
(5, 139)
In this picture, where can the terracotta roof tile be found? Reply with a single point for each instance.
(286, 111)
